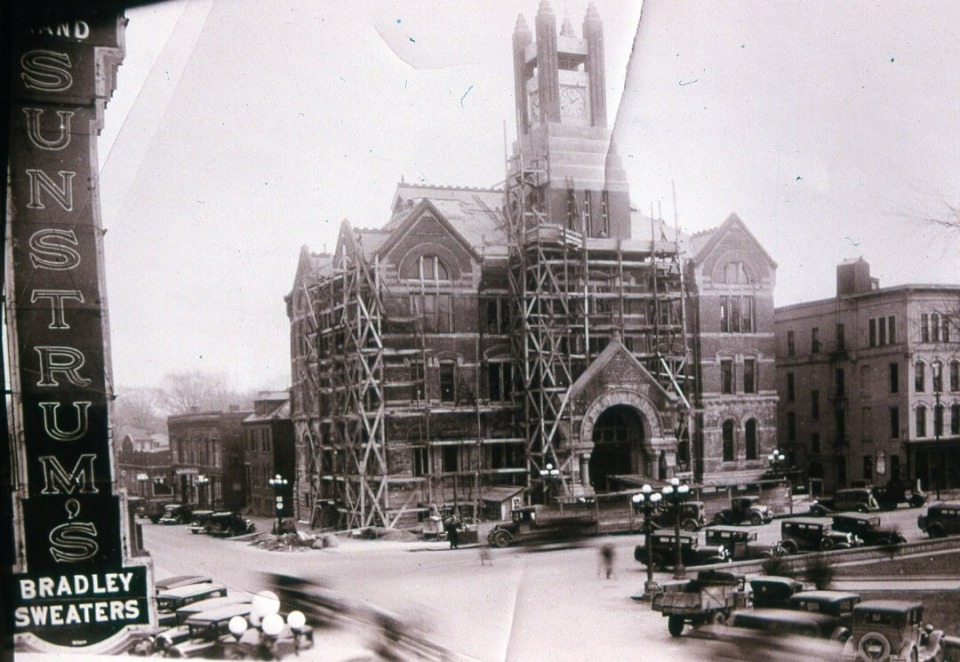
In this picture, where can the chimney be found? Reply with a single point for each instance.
(853, 277)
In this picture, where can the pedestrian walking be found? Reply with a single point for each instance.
(452, 526)
(606, 559)
(485, 555)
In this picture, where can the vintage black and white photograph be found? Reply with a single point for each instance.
(486, 331)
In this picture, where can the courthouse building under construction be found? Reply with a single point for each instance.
(537, 343)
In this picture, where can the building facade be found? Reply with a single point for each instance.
(143, 464)
(268, 453)
(545, 339)
(207, 458)
(869, 382)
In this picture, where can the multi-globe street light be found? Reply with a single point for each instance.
(550, 477)
(777, 460)
(202, 482)
(278, 482)
(675, 493)
(646, 501)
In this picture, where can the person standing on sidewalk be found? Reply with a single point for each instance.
(452, 526)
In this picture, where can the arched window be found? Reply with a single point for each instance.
(728, 455)
(750, 439)
(921, 422)
(920, 377)
(936, 372)
(734, 273)
(428, 268)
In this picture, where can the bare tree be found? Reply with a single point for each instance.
(184, 391)
(138, 408)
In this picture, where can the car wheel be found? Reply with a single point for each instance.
(719, 519)
(873, 646)
(501, 539)
(690, 524)
(840, 634)
(756, 519)
(718, 618)
(935, 531)
(789, 546)
(826, 544)
(656, 563)
(675, 625)
(916, 501)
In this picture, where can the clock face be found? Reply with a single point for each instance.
(534, 108)
(572, 103)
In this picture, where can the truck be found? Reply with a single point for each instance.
(542, 525)
(709, 598)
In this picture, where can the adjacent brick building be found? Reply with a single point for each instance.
(544, 339)
(269, 452)
(869, 382)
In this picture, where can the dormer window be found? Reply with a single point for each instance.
(427, 268)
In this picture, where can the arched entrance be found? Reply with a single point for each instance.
(617, 443)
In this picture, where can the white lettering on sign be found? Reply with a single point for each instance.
(79, 613)
(57, 297)
(51, 423)
(72, 586)
(66, 361)
(57, 481)
(77, 30)
(74, 542)
(41, 181)
(35, 134)
(46, 71)
(49, 249)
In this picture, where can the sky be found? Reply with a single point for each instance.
(243, 130)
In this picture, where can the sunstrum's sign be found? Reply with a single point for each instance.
(75, 583)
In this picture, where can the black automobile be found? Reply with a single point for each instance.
(941, 519)
(226, 524)
(860, 499)
(868, 528)
(813, 534)
(744, 510)
(692, 516)
(176, 513)
(664, 550)
(894, 493)
(198, 521)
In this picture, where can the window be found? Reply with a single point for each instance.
(919, 377)
(506, 456)
(417, 380)
(750, 376)
(750, 439)
(924, 328)
(938, 421)
(734, 273)
(815, 443)
(427, 268)
(945, 328)
(791, 346)
(872, 333)
(892, 330)
(451, 458)
(882, 331)
(894, 377)
(736, 314)
(866, 380)
(726, 375)
(791, 426)
(840, 425)
(448, 381)
(815, 340)
(936, 373)
(728, 441)
(935, 327)
(791, 393)
(500, 381)
(839, 382)
(841, 338)
(498, 316)
(815, 405)
(955, 419)
(421, 461)
(868, 468)
(921, 421)
(955, 376)
(894, 422)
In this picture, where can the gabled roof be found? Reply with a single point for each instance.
(703, 243)
(399, 227)
(475, 214)
(310, 268)
(614, 348)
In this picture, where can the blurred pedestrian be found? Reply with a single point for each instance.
(485, 555)
(452, 526)
(606, 559)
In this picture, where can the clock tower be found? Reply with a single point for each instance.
(562, 128)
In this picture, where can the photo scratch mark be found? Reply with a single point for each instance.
(855, 243)
(465, 95)
(688, 82)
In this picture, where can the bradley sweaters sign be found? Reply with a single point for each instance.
(74, 585)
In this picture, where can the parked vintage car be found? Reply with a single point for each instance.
(534, 525)
(171, 599)
(741, 543)
(176, 513)
(773, 591)
(813, 534)
(860, 499)
(941, 519)
(892, 630)
(227, 524)
(692, 553)
(837, 606)
(894, 493)
(789, 622)
(185, 612)
(868, 528)
(208, 633)
(692, 516)
(744, 510)
(180, 580)
(198, 521)
(736, 644)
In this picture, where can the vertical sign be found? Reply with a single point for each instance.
(74, 584)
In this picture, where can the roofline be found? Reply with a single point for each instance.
(893, 289)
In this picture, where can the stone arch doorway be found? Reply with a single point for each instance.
(617, 445)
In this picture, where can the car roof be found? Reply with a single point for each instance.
(774, 615)
(729, 527)
(807, 520)
(220, 613)
(824, 596)
(855, 515)
(945, 504)
(213, 603)
(887, 605)
(181, 580)
(775, 579)
(191, 589)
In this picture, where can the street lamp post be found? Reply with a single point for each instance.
(646, 501)
(549, 475)
(278, 482)
(777, 459)
(676, 494)
(937, 425)
(202, 482)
